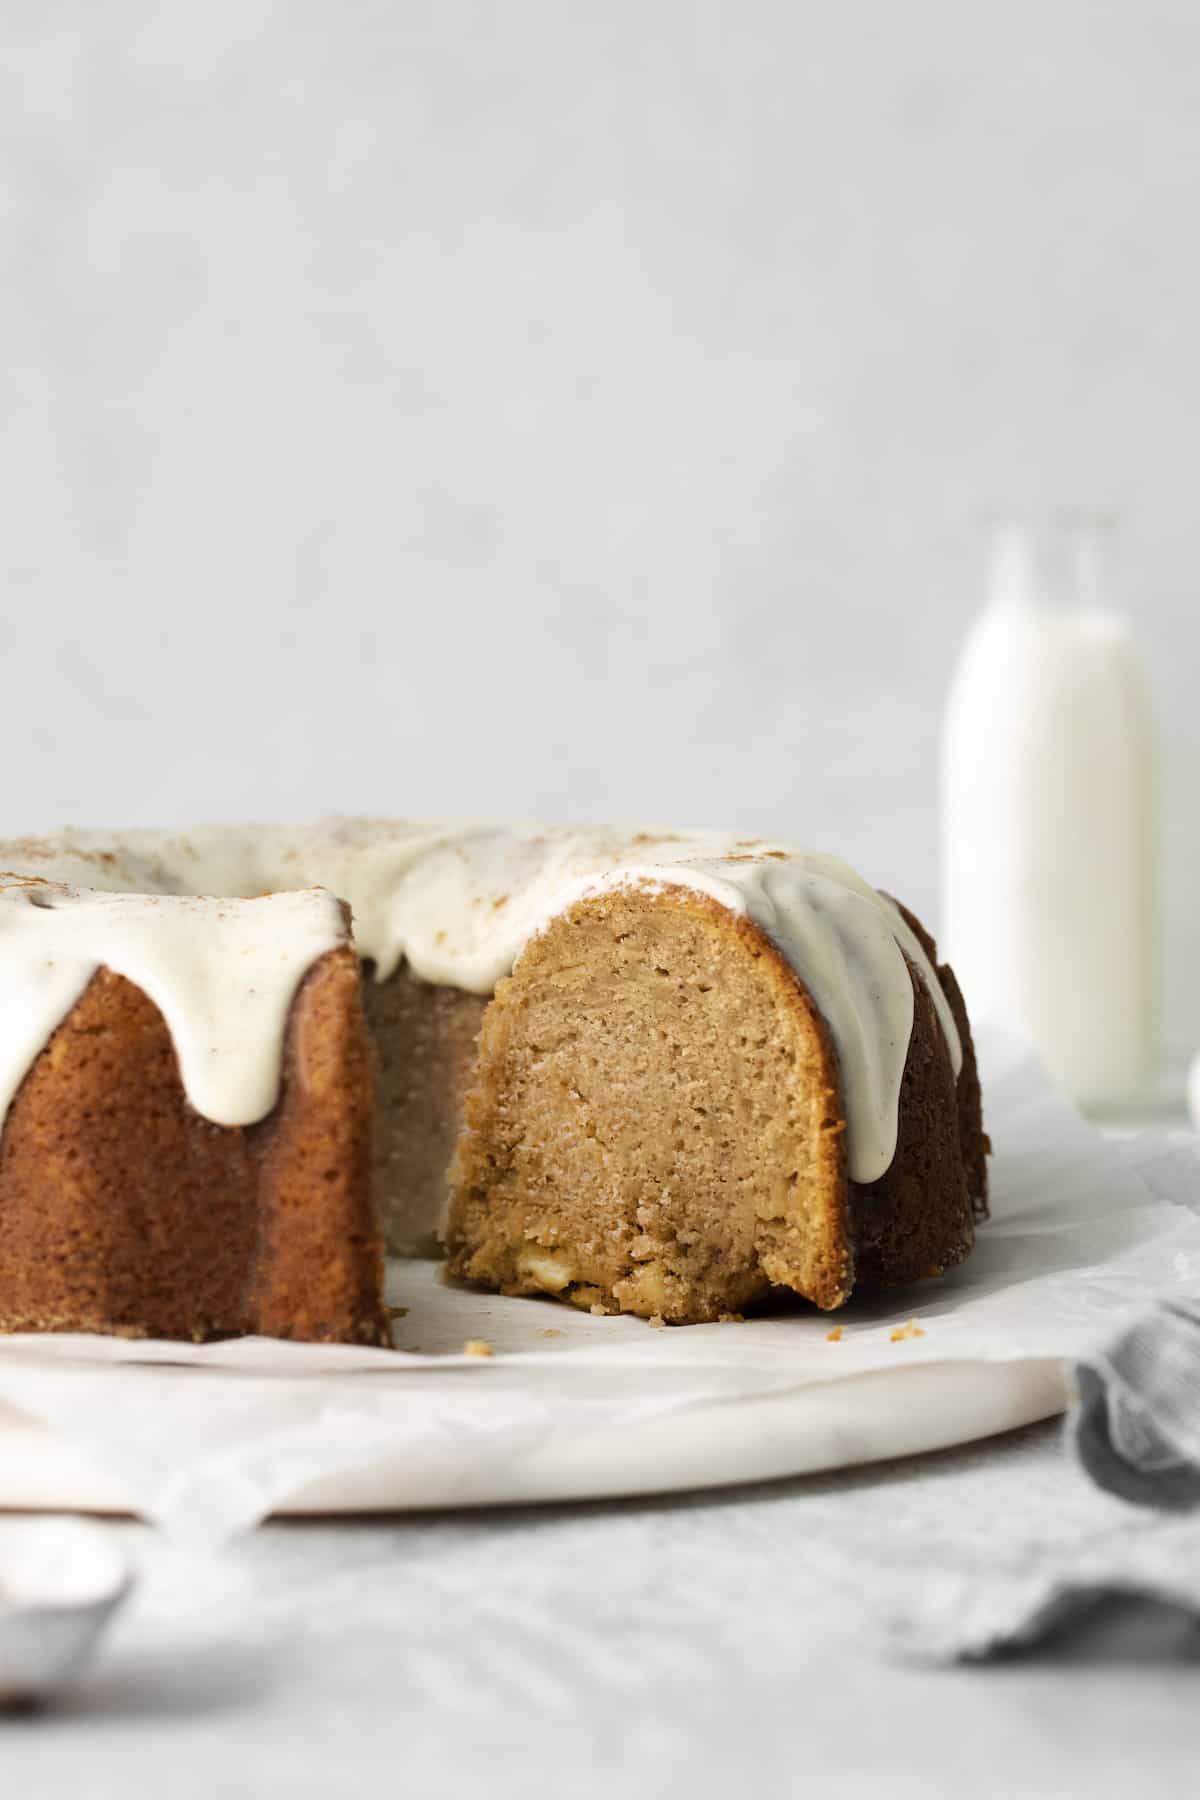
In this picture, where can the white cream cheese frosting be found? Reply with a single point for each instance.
(456, 900)
(223, 973)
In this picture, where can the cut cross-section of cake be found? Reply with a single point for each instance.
(712, 1079)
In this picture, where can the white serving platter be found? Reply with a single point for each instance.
(687, 1441)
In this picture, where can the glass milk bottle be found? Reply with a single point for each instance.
(1047, 812)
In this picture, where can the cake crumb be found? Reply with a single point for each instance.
(731, 1319)
(656, 1321)
(834, 1336)
(397, 1312)
(478, 1347)
(597, 1310)
(911, 1330)
(550, 1331)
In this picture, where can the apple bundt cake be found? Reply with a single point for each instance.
(654, 1073)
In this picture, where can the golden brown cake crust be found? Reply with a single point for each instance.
(918, 1219)
(122, 1210)
(973, 1140)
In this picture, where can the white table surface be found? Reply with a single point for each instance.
(635, 1648)
(685, 1645)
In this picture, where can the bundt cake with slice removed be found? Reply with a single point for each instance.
(713, 1065)
(704, 1082)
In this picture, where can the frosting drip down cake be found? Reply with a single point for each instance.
(656, 1073)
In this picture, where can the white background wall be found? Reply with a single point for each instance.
(577, 406)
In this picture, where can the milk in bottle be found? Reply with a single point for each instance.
(1047, 815)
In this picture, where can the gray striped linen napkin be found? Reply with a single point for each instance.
(1136, 1428)
(1135, 1432)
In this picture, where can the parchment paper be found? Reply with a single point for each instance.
(208, 1439)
